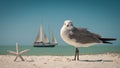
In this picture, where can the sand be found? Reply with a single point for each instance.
(109, 60)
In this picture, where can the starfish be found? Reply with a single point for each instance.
(17, 53)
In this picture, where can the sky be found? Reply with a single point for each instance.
(20, 19)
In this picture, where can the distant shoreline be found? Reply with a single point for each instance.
(108, 53)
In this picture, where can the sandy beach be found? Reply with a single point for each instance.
(108, 60)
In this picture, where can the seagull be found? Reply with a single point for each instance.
(80, 37)
(17, 53)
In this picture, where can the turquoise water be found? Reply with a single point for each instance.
(62, 50)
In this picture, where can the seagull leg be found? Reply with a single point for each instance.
(77, 53)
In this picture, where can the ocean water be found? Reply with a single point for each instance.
(61, 50)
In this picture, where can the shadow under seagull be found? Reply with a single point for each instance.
(100, 60)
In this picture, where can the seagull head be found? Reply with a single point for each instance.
(68, 24)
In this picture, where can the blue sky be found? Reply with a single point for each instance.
(20, 19)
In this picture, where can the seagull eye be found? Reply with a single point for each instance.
(67, 25)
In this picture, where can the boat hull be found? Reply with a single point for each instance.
(43, 45)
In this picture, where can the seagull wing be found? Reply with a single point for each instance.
(82, 35)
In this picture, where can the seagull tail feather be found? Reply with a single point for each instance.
(106, 40)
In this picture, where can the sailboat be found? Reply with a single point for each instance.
(43, 41)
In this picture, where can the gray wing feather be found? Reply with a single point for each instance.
(82, 35)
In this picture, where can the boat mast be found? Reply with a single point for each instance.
(49, 34)
(41, 30)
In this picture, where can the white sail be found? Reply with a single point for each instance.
(54, 41)
(39, 36)
(46, 40)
